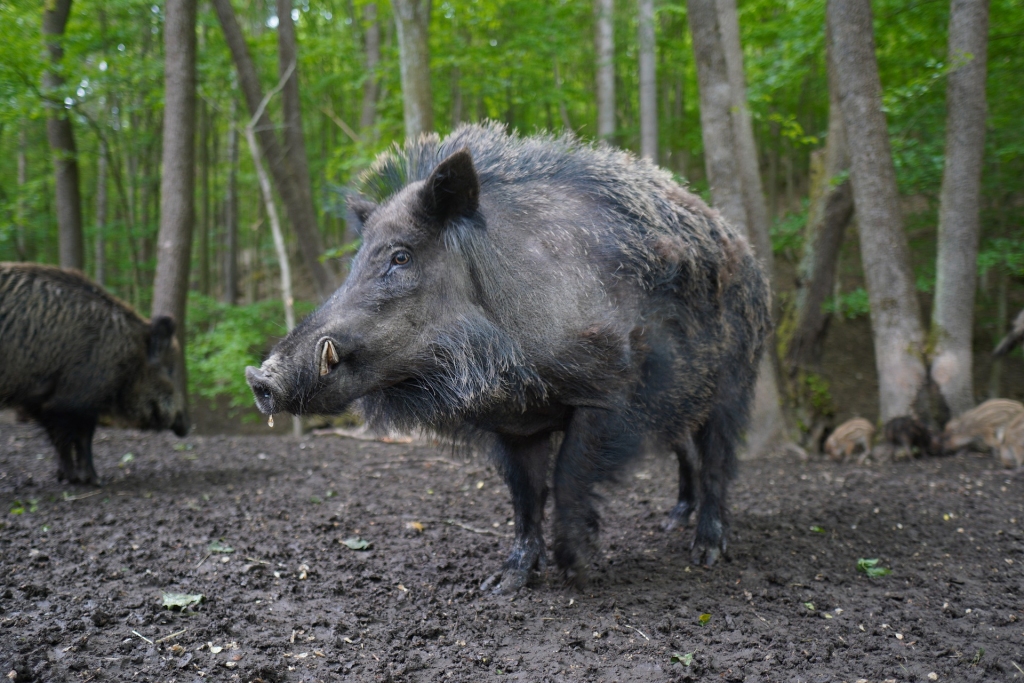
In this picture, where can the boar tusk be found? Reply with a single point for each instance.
(328, 357)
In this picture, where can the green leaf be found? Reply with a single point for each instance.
(356, 543)
(871, 568)
(17, 508)
(809, 605)
(181, 600)
(684, 658)
(218, 547)
(817, 529)
(704, 618)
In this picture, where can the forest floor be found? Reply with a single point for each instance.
(83, 570)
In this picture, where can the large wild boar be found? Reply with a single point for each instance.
(511, 287)
(71, 353)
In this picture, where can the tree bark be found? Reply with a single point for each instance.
(830, 211)
(298, 207)
(743, 131)
(895, 312)
(62, 141)
(412, 20)
(767, 427)
(604, 47)
(371, 85)
(101, 216)
(648, 83)
(204, 187)
(230, 274)
(19, 239)
(959, 205)
(177, 185)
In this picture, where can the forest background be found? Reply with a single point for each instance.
(534, 65)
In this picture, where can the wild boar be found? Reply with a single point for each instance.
(508, 288)
(72, 353)
(851, 438)
(976, 429)
(909, 437)
(1010, 439)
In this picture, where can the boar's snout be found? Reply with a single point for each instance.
(263, 390)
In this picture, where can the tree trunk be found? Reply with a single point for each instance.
(101, 215)
(604, 47)
(177, 186)
(412, 20)
(19, 239)
(995, 375)
(230, 275)
(895, 312)
(830, 211)
(62, 141)
(648, 83)
(204, 187)
(743, 131)
(727, 194)
(959, 205)
(298, 206)
(371, 85)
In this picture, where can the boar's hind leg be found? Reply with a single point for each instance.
(596, 445)
(716, 440)
(67, 433)
(685, 450)
(524, 464)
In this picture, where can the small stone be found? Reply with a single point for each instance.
(933, 676)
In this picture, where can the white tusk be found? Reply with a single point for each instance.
(328, 357)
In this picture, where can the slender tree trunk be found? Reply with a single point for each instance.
(743, 127)
(204, 187)
(19, 239)
(830, 211)
(604, 47)
(101, 215)
(995, 375)
(298, 205)
(648, 83)
(895, 312)
(563, 112)
(230, 275)
(959, 205)
(412, 19)
(62, 141)
(177, 188)
(727, 194)
(371, 85)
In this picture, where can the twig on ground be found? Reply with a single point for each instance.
(489, 532)
(84, 495)
(638, 631)
(204, 560)
(143, 637)
(172, 635)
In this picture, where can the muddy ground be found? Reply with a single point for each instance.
(83, 570)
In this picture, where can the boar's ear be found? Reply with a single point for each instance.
(161, 331)
(359, 209)
(453, 189)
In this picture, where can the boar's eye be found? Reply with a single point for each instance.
(400, 258)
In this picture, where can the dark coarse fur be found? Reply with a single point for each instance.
(72, 353)
(910, 436)
(509, 288)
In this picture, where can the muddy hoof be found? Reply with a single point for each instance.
(505, 582)
(678, 516)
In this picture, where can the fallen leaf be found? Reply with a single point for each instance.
(181, 600)
(356, 543)
(218, 547)
(871, 568)
(704, 618)
(684, 658)
(415, 526)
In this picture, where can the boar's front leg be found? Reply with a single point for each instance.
(72, 433)
(524, 464)
(597, 443)
(686, 452)
(716, 442)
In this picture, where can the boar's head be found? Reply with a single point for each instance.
(155, 398)
(409, 308)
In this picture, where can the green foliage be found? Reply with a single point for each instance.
(223, 340)
(787, 233)
(1003, 252)
(850, 305)
(871, 568)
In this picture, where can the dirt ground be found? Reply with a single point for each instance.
(83, 570)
